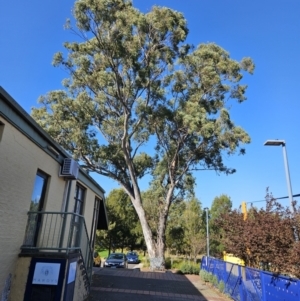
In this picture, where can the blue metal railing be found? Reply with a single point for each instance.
(58, 232)
(249, 284)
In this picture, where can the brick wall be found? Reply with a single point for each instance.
(20, 159)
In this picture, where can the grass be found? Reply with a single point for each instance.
(175, 263)
(103, 253)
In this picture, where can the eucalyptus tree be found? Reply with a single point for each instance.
(138, 101)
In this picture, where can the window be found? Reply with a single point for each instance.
(79, 199)
(39, 191)
(1, 130)
(77, 220)
(36, 205)
(94, 221)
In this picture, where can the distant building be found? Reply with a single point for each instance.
(50, 209)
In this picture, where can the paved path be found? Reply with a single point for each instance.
(135, 285)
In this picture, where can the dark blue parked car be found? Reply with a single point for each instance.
(132, 257)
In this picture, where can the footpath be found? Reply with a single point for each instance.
(136, 285)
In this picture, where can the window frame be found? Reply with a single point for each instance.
(96, 209)
(79, 200)
(2, 125)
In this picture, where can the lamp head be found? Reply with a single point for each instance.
(274, 142)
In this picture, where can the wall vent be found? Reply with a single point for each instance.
(69, 169)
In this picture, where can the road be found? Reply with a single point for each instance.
(133, 285)
(132, 266)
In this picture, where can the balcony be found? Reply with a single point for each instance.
(58, 232)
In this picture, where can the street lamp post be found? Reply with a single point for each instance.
(286, 165)
(207, 235)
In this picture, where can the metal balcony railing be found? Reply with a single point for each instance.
(58, 232)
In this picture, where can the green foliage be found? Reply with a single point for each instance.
(214, 280)
(34, 206)
(145, 261)
(221, 286)
(168, 263)
(132, 84)
(221, 205)
(189, 268)
(176, 263)
(175, 235)
(124, 229)
(195, 269)
(151, 200)
(194, 228)
(103, 253)
(210, 277)
(204, 275)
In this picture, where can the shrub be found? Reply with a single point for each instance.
(145, 261)
(189, 268)
(168, 264)
(210, 277)
(185, 268)
(177, 262)
(214, 280)
(221, 286)
(195, 269)
(204, 275)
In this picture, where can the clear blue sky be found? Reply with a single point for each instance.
(267, 31)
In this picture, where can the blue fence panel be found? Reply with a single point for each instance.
(280, 288)
(219, 270)
(252, 284)
(248, 284)
(233, 282)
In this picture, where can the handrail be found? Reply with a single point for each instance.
(89, 253)
(58, 232)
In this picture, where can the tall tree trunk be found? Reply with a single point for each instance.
(155, 249)
(159, 263)
(145, 227)
(109, 248)
(160, 243)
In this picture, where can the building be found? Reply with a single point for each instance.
(50, 209)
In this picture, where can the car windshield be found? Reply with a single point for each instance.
(131, 254)
(115, 256)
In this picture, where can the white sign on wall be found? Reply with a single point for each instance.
(46, 273)
(72, 272)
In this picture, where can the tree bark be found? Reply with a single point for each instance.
(156, 248)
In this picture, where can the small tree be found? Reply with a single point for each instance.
(265, 239)
(221, 205)
(193, 228)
